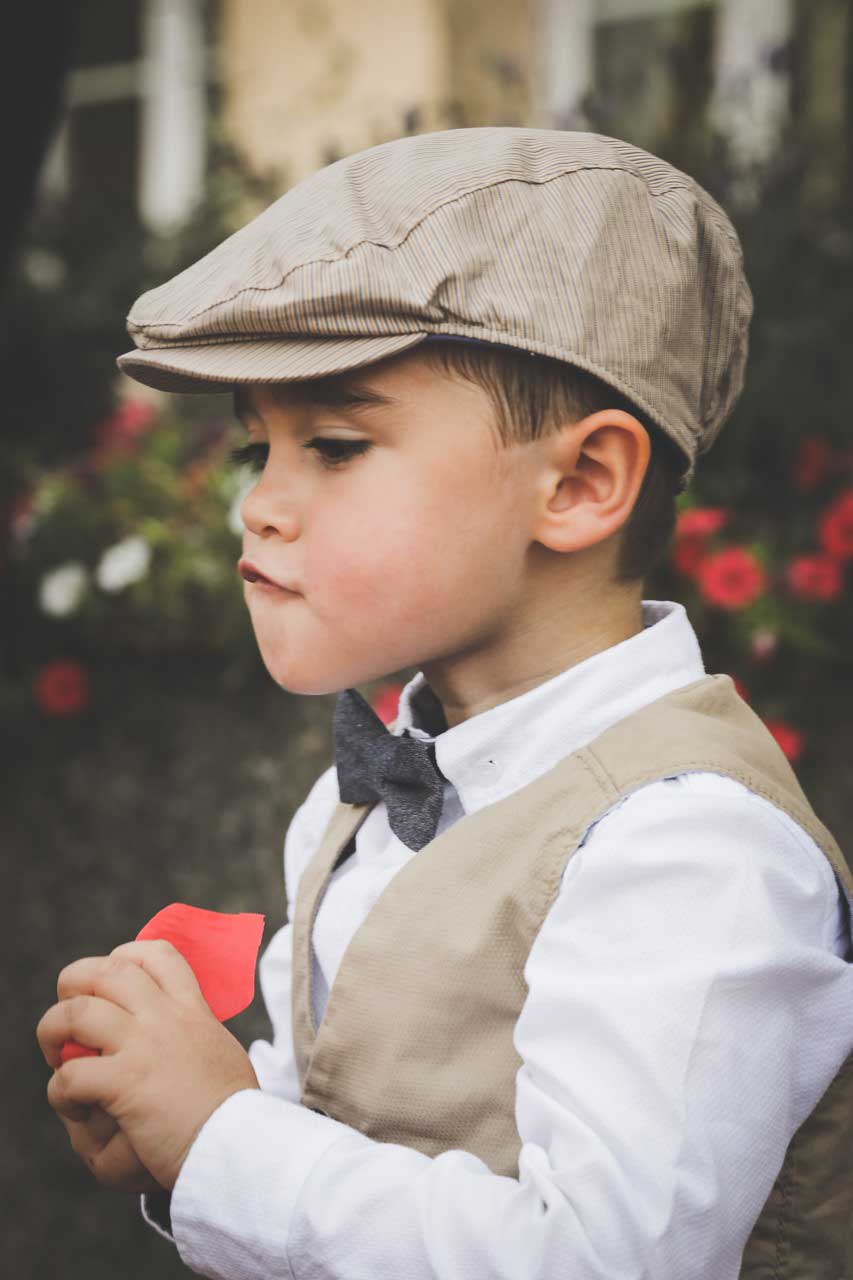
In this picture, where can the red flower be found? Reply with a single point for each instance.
(118, 434)
(836, 527)
(131, 419)
(816, 577)
(692, 530)
(700, 522)
(731, 578)
(811, 463)
(385, 703)
(740, 688)
(791, 740)
(687, 555)
(62, 688)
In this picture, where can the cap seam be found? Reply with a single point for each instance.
(687, 185)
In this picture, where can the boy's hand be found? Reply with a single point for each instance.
(166, 1062)
(102, 1146)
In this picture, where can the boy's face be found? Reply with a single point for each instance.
(410, 553)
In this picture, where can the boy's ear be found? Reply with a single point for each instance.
(592, 472)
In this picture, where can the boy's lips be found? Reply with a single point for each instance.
(252, 573)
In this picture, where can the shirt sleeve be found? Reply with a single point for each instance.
(688, 949)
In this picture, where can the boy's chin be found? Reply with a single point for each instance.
(311, 683)
(300, 672)
(307, 686)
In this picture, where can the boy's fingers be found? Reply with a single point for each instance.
(108, 1153)
(111, 976)
(117, 1165)
(164, 964)
(95, 1127)
(71, 1113)
(90, 1021)
(99, 1126)
(82, 1082)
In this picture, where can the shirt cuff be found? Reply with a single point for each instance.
(155, 1208)
(234, 1196)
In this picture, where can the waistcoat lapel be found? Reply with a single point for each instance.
(416, 1046)
(334, 847)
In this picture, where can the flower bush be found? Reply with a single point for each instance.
(781, 588)
(131, 549)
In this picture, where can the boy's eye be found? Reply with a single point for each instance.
(251, 455)
(333, 452)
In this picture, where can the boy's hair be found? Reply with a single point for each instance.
(532, 395)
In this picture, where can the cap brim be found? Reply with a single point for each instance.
(218, 367)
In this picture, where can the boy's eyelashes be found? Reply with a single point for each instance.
(333, 452)
(252, 455)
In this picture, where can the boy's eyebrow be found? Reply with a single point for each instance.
(322, 393)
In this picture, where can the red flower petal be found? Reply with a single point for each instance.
(220, 947)
(835, 527)
(688, 553)
(700, 522)
(71, 1049)
(731, 578)
(815, 577)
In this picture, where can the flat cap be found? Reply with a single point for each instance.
(565, 244)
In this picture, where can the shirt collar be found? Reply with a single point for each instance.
(494, 753)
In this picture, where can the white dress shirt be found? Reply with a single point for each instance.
(690, 999)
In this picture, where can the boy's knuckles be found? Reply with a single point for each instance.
(75, 1009)
(106, 1152)
(59, 1095)
(115, 1165)
(82, 1142)
(102, 1167)
(113, 973)
(69, 978)
(48, 1037)
(100, 1126)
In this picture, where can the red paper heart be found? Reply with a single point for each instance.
(220, 947)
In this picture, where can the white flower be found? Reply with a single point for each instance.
(235, 520)
(124, 563)
(764, 642)
(61, 589)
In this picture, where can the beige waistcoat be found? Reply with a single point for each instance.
(415, 1045)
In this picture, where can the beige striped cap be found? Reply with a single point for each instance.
(564, 244)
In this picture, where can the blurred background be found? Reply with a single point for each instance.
(147, 755)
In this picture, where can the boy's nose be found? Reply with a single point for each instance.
(265, 509)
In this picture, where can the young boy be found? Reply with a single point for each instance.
(566, 984)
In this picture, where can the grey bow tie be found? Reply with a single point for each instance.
(375, 764)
